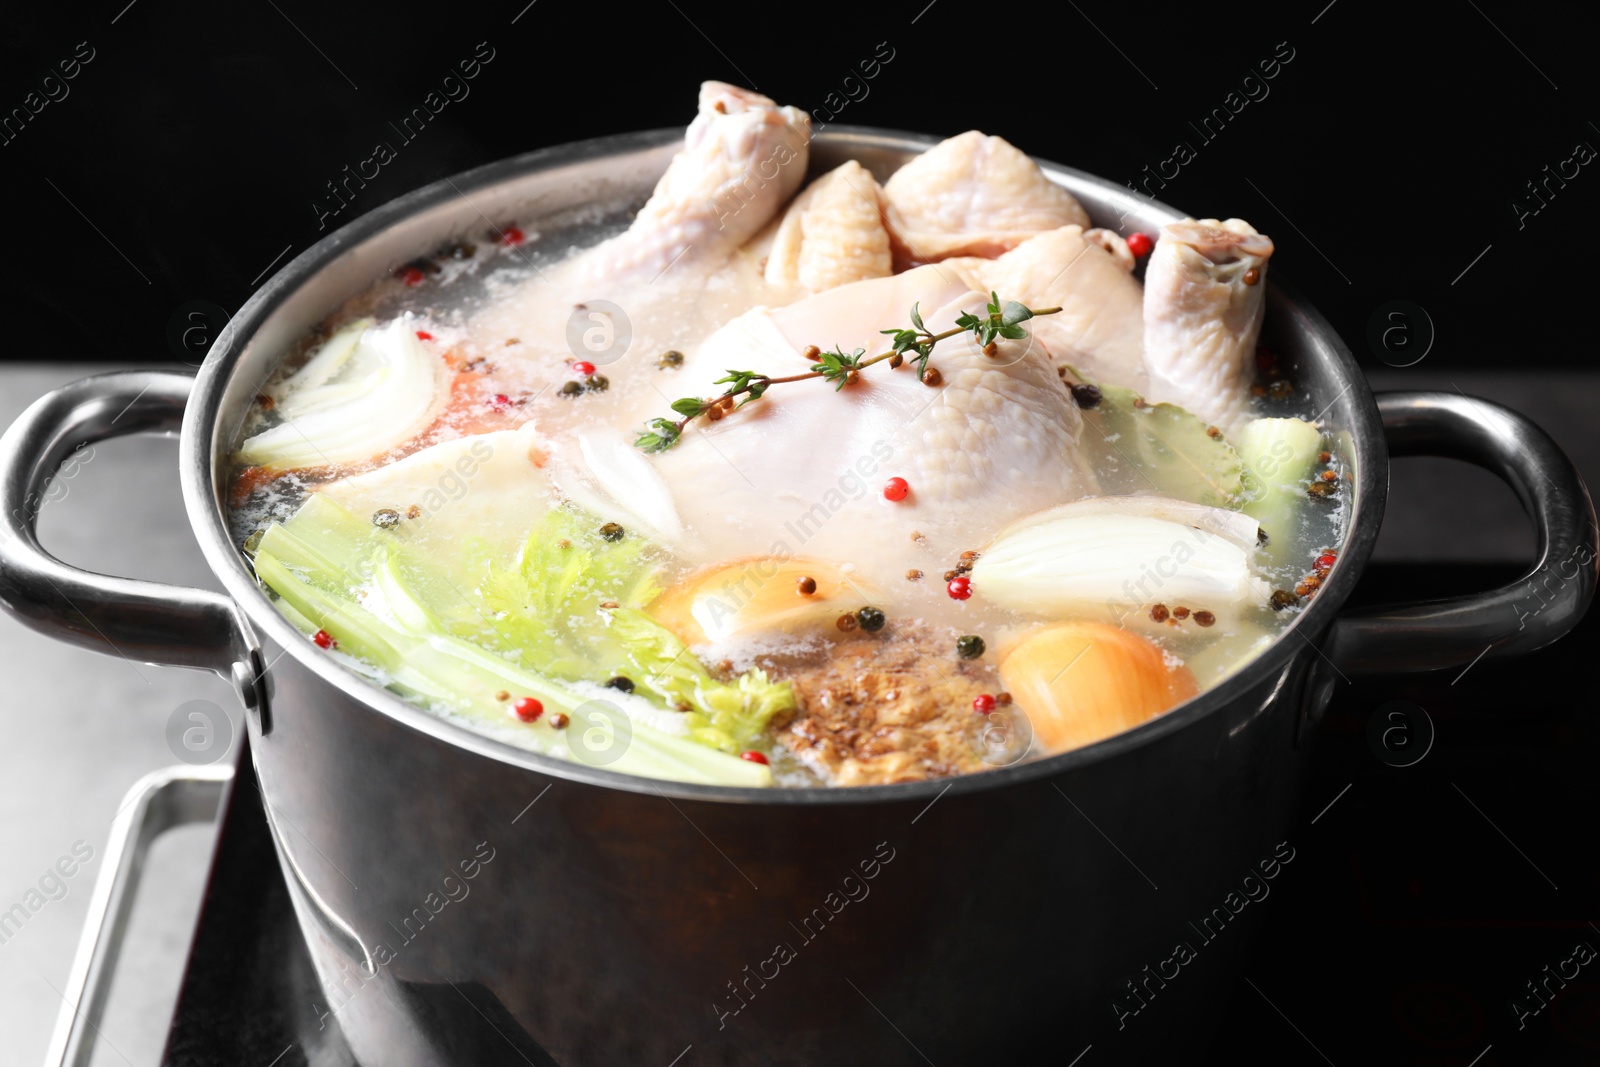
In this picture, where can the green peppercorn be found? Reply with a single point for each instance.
(386, 518)
(871, 619)
(612, 531)
(620, 683)
(970, 646)
(597, 383)
(570, 390)
(670, 358)
(1282, 598)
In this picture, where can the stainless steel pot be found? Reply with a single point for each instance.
(467, 902)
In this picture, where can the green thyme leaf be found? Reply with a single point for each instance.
(1014, 313)
(663, 435)
(737, 380)
(757, 388)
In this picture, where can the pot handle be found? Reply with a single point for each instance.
(1527, 614)
(146, 621)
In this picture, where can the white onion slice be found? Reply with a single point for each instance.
(616, 482)
(361, 394)
(490, 486)
(1234, 525)
(324, 362)
(1121, 554)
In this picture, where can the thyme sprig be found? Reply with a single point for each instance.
(916, 343)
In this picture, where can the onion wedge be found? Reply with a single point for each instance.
(611, 478)
(1121, 554)
(366, 390)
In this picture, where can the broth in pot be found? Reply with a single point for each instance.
(774, 483)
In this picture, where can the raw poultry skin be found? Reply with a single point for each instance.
(1203, 302)
(996, 441)
(832, 234)
(1099, 330)
(973, 195)
(743, 157)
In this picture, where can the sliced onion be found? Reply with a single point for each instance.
(616, 482)
(488, 486)
(1119, 554)
(326, 361)
(1235, 526)
(361, 394)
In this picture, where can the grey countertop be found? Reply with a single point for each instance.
(80, 728)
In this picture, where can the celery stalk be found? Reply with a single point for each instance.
(1279, 455)
(324, 558)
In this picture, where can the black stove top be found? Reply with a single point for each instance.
(1437, 912)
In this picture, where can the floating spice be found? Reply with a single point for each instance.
(870, 619)
(1085, 395)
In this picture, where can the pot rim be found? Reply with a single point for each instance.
(207, 514)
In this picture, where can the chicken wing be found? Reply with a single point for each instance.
(1203, 302)
(972, 196)
(742, 158)
(832, 234)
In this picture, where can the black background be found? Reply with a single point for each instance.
(1391, 147)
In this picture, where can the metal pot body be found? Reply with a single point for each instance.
(467, 903)
(618, 927)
